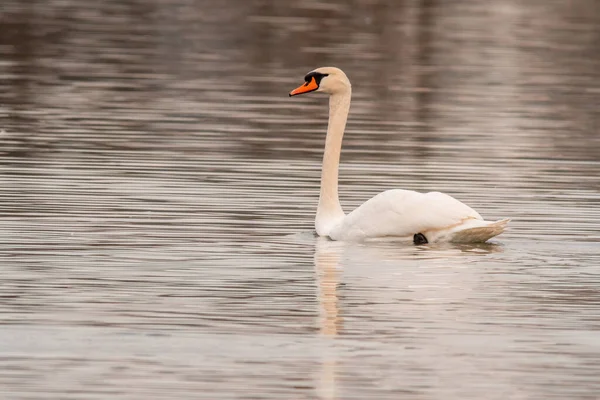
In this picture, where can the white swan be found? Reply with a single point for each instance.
(423, 217)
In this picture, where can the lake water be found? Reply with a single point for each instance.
(158, 191)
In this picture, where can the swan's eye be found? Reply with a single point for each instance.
(317, 75)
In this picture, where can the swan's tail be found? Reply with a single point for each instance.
(480, 234)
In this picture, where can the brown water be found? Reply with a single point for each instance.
(158, 190)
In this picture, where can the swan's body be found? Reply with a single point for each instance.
(394, 213)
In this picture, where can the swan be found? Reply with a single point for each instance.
(397, 213)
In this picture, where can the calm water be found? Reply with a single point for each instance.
(158, 190)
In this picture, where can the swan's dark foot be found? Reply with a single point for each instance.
(419, 238)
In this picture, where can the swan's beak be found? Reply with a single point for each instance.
(307, 87)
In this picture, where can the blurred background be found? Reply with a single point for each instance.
(158, 191)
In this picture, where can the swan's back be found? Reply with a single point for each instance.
(404, 213)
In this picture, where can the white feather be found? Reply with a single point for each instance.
(402, 213)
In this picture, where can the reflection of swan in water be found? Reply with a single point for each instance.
(422, 217)
(327, 267)
(366, 268)
(362, 261)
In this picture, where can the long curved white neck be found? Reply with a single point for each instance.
(329, 211)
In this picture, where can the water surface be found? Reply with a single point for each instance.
(158, 191)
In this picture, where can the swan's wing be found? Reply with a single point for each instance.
(402, 213)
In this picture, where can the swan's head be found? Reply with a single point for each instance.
(328, 80)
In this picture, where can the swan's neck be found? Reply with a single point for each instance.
(329, 211)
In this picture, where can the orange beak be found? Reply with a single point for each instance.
(307, 87)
